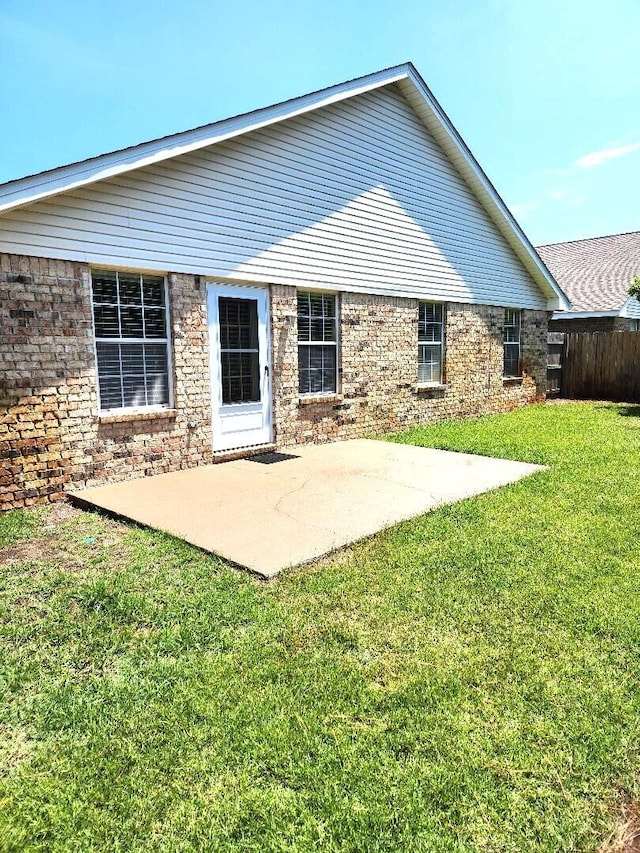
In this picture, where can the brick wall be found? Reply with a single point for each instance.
(52, 439)
(378, 354)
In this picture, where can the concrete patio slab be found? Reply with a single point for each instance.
(310, 501)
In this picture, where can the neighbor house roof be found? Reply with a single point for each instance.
(595, 273)
(55, 181)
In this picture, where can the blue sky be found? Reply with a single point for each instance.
(545, 92)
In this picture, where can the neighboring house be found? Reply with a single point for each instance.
(596, 274)
(334, 266)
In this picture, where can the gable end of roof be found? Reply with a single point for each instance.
(34, 188)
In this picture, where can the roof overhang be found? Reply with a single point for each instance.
(37, 187)
(583, 315)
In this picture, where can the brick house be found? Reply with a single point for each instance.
(334, 266)
(596, 274)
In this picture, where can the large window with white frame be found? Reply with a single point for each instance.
(511, 342)
(430, 343)
(317, 342)
(132, 339)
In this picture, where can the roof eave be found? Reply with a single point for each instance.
(582, 315)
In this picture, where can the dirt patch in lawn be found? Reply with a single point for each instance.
(61, 512)
(625, 838)
(56, 537)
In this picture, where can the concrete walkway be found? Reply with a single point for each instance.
(268, 515)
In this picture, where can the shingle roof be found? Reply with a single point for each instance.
(597, 272)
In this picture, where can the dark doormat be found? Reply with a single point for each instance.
(272, 458)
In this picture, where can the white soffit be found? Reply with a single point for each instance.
(582, 315)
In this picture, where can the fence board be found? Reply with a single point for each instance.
(602, 366)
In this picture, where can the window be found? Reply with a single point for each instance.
(430, 342)
(130, 321)
(239, 350)
(511, 345)
(317, 343)
(634, 325)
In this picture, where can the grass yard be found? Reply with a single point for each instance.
(468, 681)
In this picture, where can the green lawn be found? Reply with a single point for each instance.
(467, 681)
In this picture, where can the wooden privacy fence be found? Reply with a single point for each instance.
(602, 366)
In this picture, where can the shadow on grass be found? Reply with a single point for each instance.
(629, 411)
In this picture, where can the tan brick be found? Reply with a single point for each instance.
(49, 395)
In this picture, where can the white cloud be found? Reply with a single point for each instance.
(596, 158)
(566, 196)
(523, 210)
(557, 173)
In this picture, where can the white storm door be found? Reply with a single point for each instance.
(240, 381)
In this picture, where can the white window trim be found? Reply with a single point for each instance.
(518, 311)
(134, 410)
(440, 382)
(310, 395)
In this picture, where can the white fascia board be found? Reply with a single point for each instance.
(583, 315)
(458, 151)
(37, 187)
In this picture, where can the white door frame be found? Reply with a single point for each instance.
(238, 425)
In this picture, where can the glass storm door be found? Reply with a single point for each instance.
(240, 382)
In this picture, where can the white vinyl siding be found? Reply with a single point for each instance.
(356, 196)
(131, 339)
(631, 308)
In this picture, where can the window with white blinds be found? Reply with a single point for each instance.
(132, 343)
(511, 343)
(430, 343)
(317, 343)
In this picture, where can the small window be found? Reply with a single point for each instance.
(430, 342)
(239, 350)
(317, 343)
(511, 345)
(634, 325)
(132, 344)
